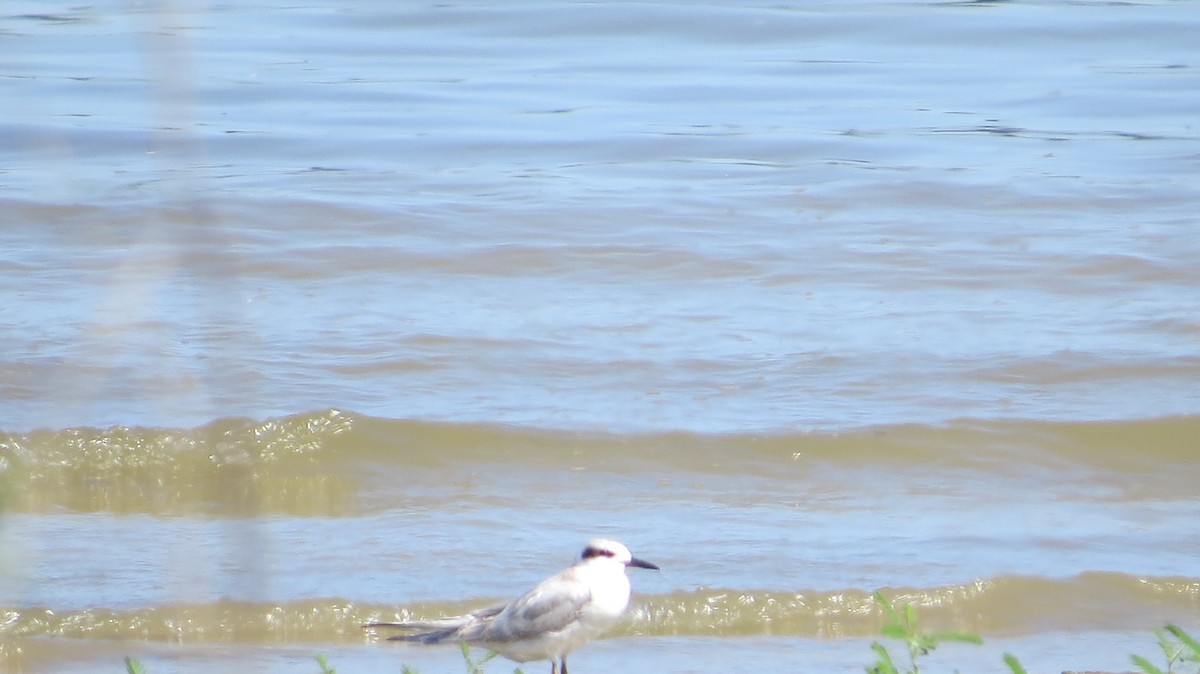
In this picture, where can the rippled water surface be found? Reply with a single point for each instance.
(315, 315)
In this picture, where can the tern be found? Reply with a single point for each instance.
(557, 616)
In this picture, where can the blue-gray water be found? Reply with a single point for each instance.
(310, 308)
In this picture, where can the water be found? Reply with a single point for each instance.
(320, 315)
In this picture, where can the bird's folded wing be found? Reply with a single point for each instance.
(549, 607)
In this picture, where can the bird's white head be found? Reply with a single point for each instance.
(602, 548)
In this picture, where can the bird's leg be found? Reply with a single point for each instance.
(563, 668)
(553, 666)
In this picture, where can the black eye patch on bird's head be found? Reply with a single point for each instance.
(590, 552)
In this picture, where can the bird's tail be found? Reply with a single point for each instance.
(427, 632)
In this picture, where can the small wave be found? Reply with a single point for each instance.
(313, 464)
(231, 466)
(1007, 606)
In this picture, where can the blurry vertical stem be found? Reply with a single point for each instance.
(902, 624)
(473, 666)
(1177, 647)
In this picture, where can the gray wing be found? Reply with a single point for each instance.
(549, 607)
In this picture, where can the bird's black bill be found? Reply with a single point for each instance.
(642, 564)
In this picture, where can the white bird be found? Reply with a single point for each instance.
(557, 616)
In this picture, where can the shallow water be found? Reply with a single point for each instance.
(320, 314)
(295, 531)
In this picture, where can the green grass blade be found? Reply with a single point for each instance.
(1185, 639)
(888, 609)
(1014, 665)
(133, 666)
(910, 617)
(1145, 665)
(884, 664)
